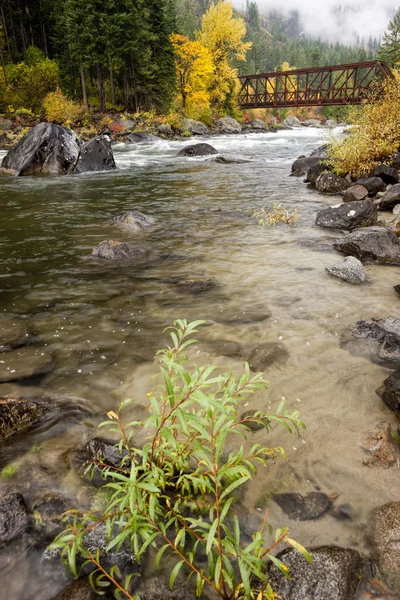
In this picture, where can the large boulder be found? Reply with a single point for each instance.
(13, 517)
(291, 122)
(228, 125)
(258, 124)
(116, 250)
(371, 243)
(376, 339)
(165, 129)
(386, 173)
(311, 123)
(355, 193)
(315, 171)
(142, 136)
(351, 270)
(134, 220)
(372, 184)
(329, 183)
(390, 391)
(390, 198)
(47, 148)
(321, 151)
(385, 534)
(303, 164)
(335, 574)
(96, 155)
(195, 127)
(331, 123)
(201, 149)
(17, 414)
(5, 124)
(350, 215)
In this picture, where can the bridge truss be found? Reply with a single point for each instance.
(320, 86)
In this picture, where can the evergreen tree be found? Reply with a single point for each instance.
(390, 47)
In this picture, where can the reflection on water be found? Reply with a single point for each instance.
(101, 323)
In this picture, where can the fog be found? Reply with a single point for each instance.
(320, 18)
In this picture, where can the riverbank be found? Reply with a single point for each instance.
(100, 324)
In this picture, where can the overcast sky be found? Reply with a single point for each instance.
(371, 19)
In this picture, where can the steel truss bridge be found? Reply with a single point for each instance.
(320, 86)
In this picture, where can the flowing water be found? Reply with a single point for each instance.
(98, 324)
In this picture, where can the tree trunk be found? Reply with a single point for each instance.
(83, 84)
(3, 65)
(101, 89)
(6, 34)
(113, 101)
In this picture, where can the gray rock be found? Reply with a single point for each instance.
(350, 270)
(106, 451)
(355, 193)
(331, 123)
(395, 226)
(157, 588)
(195, 127)
(5, 124)
(350, 215)
(315, 171)
(397, 288)
(391, 198)
(372, 184)
(267, 353)
(228, 125)
(13, 517)
(229, 160)
(23, 363)
(46, 149)
(17, 414)
(225, 348)
(376, 339)
(390, 391)
(198, 150)
(244, 316)
(311, 123)
(165, 129)
(81, 590)
(48, 511)
(291, 122)
(385, 532)
(371, 243)
(258, 124)
(134, 220)
(303, 508)
(96, 155)
(396, 209)
(386, 173)
(335, 574)
(329, 183)
(116, 250)
(321, 151)
(303, 164)
(196, 285)
(142, 136)
(12, 334)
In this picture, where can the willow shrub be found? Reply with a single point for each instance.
(374, 137)
(177, 492)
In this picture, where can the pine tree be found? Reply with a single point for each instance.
(389, 51)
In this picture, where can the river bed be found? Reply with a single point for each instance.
(100, 324)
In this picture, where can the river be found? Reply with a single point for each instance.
(101, 323)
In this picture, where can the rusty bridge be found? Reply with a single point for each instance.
(320, 86)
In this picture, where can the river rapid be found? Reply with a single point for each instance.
(100, 323)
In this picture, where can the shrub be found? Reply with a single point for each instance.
(278, 214)
(374, 137)
(176, 493)
(61, 110)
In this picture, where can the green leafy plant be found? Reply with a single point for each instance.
(278, 214)
(176, 494)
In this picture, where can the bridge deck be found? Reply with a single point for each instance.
(320, 86)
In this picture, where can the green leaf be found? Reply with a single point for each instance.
(234, 485)
(211, 535)
(245, 575)
(300, 548)
(174, 573)
(160, 554)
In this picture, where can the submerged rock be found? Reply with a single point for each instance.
(96, 155)
(350, 270)
(355, 193)
(350, 215)
(329, 183)
(228, 160)
(228, 125)
(225, 348)
(371, 243)
(23, 363)
(390, 391)
(385, 533)
(381, 449)
(116, 250)
(135, 220)
(47, 148)
(13, 334)
(244, 316)
(17, 414)
(267, 353)
(142, 136)
(372, 184)
(196, 285)
(335, 574)
(13, 517)
(303, 508)
(48, 511)
(201, 149)
(377, 339)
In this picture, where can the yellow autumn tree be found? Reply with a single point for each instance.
(223, 34)
(291, 82)
(194, 69)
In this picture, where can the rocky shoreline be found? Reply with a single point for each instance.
(337, 573)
